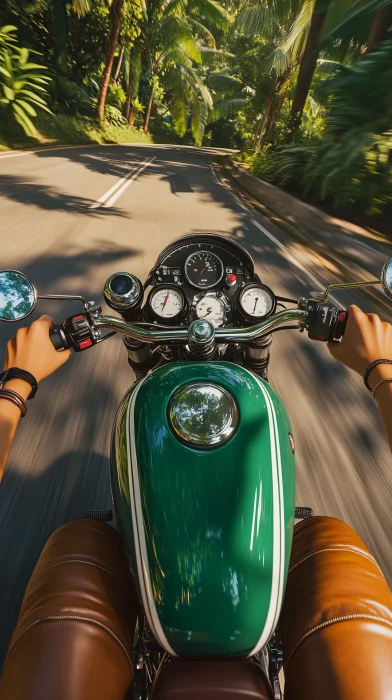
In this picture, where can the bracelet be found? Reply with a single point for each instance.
(16, 373)
(18, 400)
(383, 381)
(371, 367)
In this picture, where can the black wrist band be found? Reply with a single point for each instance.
(16, 373)
(371, 367)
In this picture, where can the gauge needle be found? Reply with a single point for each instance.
(203, 270)
(165, 302)
(209, 310)
(257, 299)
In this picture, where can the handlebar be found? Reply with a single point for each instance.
(181, 335)
(323, 321)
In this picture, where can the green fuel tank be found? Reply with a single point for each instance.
(203, 482)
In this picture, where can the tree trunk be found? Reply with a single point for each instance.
(113, 39)
(309, 57)
(261, 124)
(379, 29)
(275, 107)
(119, 64)
(148, 113)
(129, 100)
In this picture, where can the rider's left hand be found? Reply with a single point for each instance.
(31, 349)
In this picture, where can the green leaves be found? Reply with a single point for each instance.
(20, 81)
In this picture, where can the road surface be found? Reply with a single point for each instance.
(72, 216)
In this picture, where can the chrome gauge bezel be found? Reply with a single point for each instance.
(255, 317)
(215, 295)
(152, 315)
(213, 255)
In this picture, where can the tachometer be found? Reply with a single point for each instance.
(256, 301)
(203, 269)
(166, 302)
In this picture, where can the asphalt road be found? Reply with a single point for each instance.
(53, 228)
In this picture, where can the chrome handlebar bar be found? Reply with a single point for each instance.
(221, 335)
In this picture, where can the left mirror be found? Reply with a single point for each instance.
(18, 296)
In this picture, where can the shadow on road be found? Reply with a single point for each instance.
(46, 501)
(26, 191)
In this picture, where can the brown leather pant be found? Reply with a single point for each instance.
(336, 622)
(74, 636)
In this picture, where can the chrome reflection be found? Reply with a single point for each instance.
(203, 414)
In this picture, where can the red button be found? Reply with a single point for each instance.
(231, 278)
(77, 318)
(85, 344)
(342, 316)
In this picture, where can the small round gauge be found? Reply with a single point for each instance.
(166, 302)
(203, 269)
(257, 301)
(212, 307)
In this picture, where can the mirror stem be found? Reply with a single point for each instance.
(62, 297)
(346, 285)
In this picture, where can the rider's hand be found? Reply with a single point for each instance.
(366, 339)
(32, 350)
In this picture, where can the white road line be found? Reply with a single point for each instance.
(110, 197)
(287, 254)
(15, 155)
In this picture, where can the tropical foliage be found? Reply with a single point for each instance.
(22, 82)
(301, 87)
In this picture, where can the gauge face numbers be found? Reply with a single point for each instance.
(203, 269)
(213, 309)
(257, 301)
(167, 302)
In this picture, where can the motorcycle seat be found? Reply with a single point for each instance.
(181, 679)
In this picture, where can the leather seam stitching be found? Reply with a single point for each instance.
(79, 561)
(338, 549)
(73, 617)
(327, 623)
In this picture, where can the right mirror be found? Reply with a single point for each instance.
(386, 278)
(18, 296)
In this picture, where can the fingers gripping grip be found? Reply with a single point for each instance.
(58, 339)
(75, 333)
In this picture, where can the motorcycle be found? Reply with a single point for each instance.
(202, 451)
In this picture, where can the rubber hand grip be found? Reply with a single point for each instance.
(57, 337)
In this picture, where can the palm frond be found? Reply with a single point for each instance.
(81, 7)
(203, 32)
(227, 108)
(256, 20)
(211, 11)
(366, 7)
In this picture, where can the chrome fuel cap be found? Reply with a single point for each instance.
(203, 414)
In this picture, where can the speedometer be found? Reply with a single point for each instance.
(257, 301)
(203, 270)
(166, 302)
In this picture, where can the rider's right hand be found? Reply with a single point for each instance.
(366, 339)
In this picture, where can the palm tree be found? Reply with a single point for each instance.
(309, 57)
(173, 40)
(117, 8)
(115, 15)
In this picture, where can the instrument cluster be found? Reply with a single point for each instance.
(207, 276)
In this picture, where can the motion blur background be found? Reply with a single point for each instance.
(301, 89)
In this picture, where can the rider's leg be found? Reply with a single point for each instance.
(74, 636)
(336, 623)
